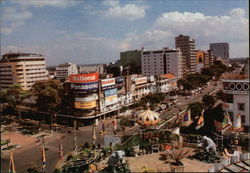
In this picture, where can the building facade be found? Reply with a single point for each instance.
(63, 71)
(157, 62)
(237, 86)
(91, 69)
(211, 57)
(220, 50)
(22, 68)
(132, 59)
(187, 47)
(202, 60)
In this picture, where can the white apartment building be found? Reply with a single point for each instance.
(64, 70)
(156, 62)
(22, 68)
(91, 69)
(238, 86)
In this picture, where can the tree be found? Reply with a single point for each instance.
(48, 94)
(208, 72)
(33, 169)
(180, 82)
(196, 109)
(208, 100)
(124, 122)
(14, 96)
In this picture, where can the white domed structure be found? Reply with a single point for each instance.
(148, 118)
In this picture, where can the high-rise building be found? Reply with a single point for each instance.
(64, 70)
(187, 46)
(22, 68)
(211, 57)
(220, 50)
(156, 62)
(132, 59)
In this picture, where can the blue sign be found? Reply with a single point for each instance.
(119, 79)
(110, 92)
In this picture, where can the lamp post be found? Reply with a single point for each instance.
(75, 139)
(94, 134)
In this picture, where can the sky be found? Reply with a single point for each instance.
(96, 31)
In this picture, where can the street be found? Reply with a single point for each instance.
(32, 153)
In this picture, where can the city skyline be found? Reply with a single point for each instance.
(89, 32)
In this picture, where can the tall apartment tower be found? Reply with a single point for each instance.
(22, 68)
(187, 47)
(211, 57)
(156, 62)
(220, 50)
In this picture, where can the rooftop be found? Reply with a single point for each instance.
(20, 54)
(235, 76)
(169, 76)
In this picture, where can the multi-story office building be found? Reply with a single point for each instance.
(64, 70)
(91, 69)
(22, 68)
(220, 50)
(156, 62)
(132, 59)
(187, 46)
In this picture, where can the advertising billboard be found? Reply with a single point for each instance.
(140, 80)
(84, 87)
(88, 98)
(110, 92)
(119, 79)
(111, 100)
(108, 83)
(85, 105)
(84, 78)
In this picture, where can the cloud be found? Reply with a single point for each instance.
(44, 3)
(83, 48)
(128, 12)
(13, 18)
(232, 28)
(201, 26)
(112, 3)
(237, 12)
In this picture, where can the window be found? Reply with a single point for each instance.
(241, 106)
(243, 119)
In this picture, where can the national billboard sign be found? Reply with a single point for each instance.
(111, 100)
(110, 92)
(84, 87)
(108, 83)
(84, 78)
(140, 80)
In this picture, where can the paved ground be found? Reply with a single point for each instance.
(153, 163)
(31, 150)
